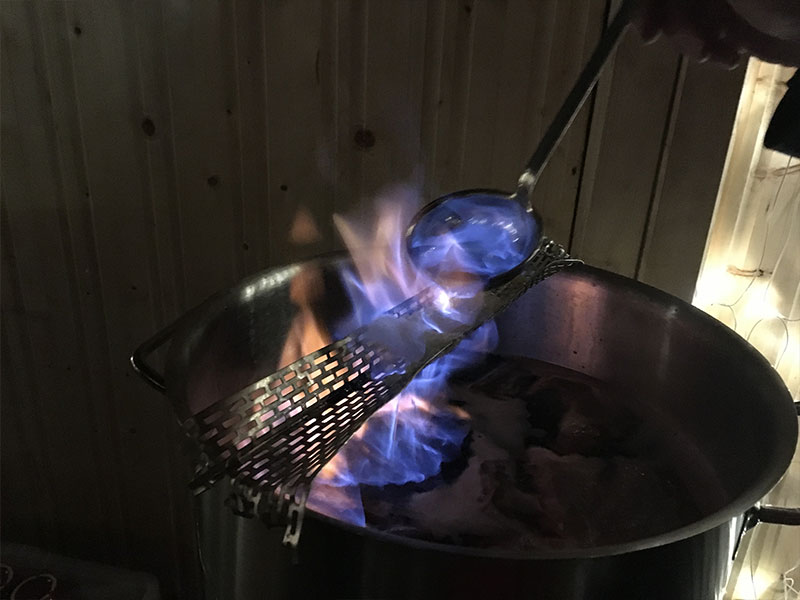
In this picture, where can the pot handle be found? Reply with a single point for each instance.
(139, 357)
(766, 513)
(778, 515)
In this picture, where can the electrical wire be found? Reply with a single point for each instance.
(784, 171)
(789, 584)
(764, 245)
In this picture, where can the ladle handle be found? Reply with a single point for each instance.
(577, 96)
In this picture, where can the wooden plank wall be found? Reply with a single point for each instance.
(156, 152)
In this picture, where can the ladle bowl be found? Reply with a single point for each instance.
(486, 233)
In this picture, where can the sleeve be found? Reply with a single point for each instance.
(783, 133)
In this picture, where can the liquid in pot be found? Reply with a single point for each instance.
(552, 459)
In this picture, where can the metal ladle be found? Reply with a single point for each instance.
(499, 231)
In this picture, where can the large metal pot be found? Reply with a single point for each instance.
(706, 382)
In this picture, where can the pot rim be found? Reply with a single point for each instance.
(734, 509)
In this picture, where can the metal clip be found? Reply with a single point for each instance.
(296, 510)
(243, 501)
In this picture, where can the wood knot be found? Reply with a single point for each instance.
(364, 139)
(148, 127)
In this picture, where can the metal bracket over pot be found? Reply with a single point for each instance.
(283, 506)
(272, 437)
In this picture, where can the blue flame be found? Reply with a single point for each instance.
(482, 234)
(409, 438)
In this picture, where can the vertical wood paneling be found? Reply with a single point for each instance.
(431, 96)
(454, 85)
(681, 212)
(393, 94)
(199, 65)
(533, 123)
(577, 30)
(156, 152)
(609, 228)
(29, 499)
(295, 124)
(155, 118)
(348, 56)
(485, 56)
(36, 232)
(127, 263)
(528, 41)
(75, 204)
(249, 116)
(18, 494)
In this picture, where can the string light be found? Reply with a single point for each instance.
(755, 235)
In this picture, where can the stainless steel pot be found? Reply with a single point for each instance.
(707, 384)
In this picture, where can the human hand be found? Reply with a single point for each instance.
(726, 31)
